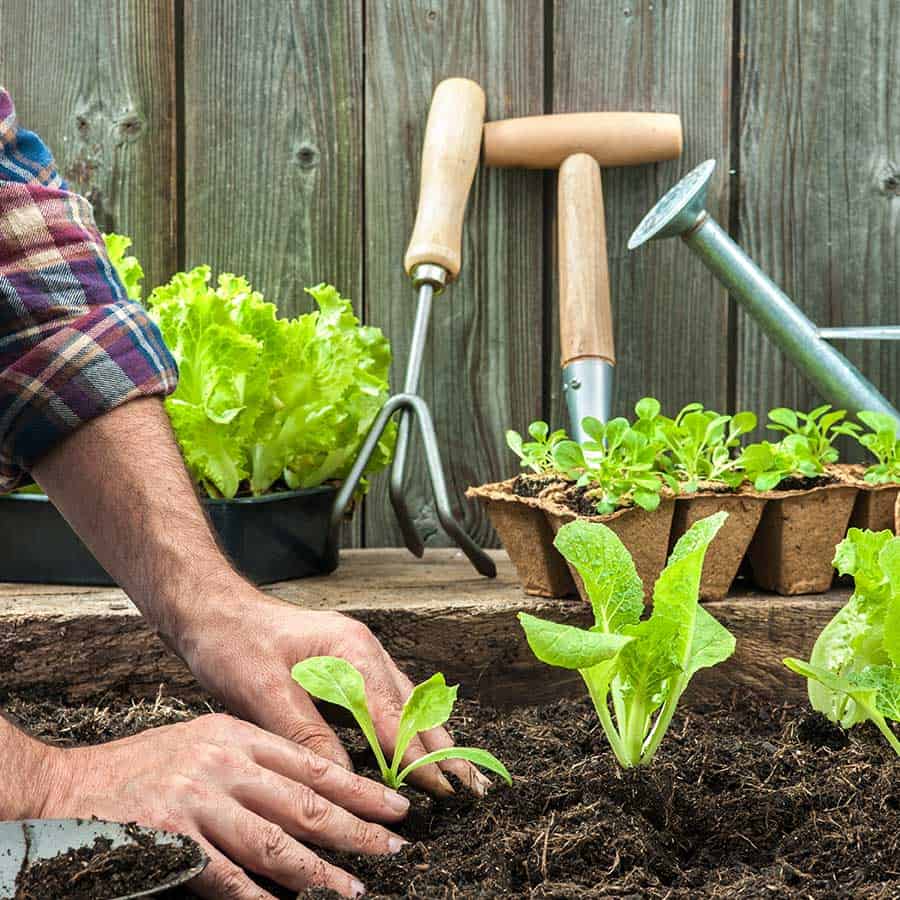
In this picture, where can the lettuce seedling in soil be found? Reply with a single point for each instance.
(635, 670)
(820, 426)
(618, 464)
(767, 465)
(337, 681)
(701, 442)
(882, 442)
(854, 668)
(536, 454)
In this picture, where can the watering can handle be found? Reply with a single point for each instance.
(585, 317)
(449, 159)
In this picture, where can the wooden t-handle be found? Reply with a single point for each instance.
(449, 159)
(585, 317)
(612, 138)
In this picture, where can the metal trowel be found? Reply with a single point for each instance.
(25, 842)
(587, 351)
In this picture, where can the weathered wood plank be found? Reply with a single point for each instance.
(273, 147)
(432, 615)
(670, 317)
(819, 174)
(97, 82)
(482, 372)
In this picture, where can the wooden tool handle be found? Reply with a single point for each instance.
(612, 138)
(585, 317)
(449, 159)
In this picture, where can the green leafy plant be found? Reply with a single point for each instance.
(536, 454)
(635, 670)
(701, 442)
(882, 442)
(618, 464)
(766, 465)
(337, 681)
(820, 426)
(127, 267)
(854, 669)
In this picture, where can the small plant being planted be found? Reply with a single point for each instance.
(701, 445)
(635, 670)
(337, 681)
(854, 669)
(808, 506)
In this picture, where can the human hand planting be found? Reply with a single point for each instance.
(251, 799)
(244, 655)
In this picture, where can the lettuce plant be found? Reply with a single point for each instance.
(854, 669)
(882, 442)
(766, 465)
(635, 670)
(701, 442)
(821, 427)
(127, 267)
(618, 463)
(337, 681)
(536, 454)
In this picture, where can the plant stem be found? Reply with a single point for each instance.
(661, 726)
(598, 698)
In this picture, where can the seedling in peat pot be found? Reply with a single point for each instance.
(701, 443)
(821, 427)
(854, 669)
(337, 681)
(882, 442)
(536, 454)
(766, 465)
(635, 670)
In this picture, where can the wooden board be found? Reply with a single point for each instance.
(97, 82)
(273, 149)
(482, 369)
(819, 152)
(668, 312)
(432, 615)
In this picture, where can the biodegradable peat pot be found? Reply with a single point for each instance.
(723, 559)
(644, 534)
(528, 539)
(874, 507)
(793, 547)
(269, 538)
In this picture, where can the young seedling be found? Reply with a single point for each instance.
(536, 454)
(766, 465)
(854, 670)
(882, 442)
(821, 427)
(701, 443)
(635, 670)
(337, 681)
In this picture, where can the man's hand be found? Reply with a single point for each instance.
(244, 654)
(250, 798)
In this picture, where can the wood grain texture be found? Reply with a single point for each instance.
(670, 316)
(432, 615)
(273, 148)
(482, 369)
(97, 82)
(820, 181)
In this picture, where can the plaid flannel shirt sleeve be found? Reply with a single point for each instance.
(72, 346)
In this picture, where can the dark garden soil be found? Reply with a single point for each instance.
(101, 871)
(531, 485)
(805, 483)
(743, 801)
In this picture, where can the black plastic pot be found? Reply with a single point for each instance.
(270, 538)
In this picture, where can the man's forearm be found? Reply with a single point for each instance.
(25, 776)
(121, 482)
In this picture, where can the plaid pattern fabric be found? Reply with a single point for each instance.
(72, 347)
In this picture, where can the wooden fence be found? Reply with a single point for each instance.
(281, 140)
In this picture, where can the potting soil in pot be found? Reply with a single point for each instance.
(743, 801)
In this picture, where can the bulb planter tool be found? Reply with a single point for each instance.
(587, 351)
(433, 260)
(29, 841)
(682, 212)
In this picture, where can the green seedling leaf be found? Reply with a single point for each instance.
(428, 706)
(337, 681)
(480, 757)
(567, 646)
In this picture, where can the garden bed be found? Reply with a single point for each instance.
(745, 799)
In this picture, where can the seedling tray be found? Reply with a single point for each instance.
(275, 537)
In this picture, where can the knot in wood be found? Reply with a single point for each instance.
(130, 127)
(889, 180)
(307, 157)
